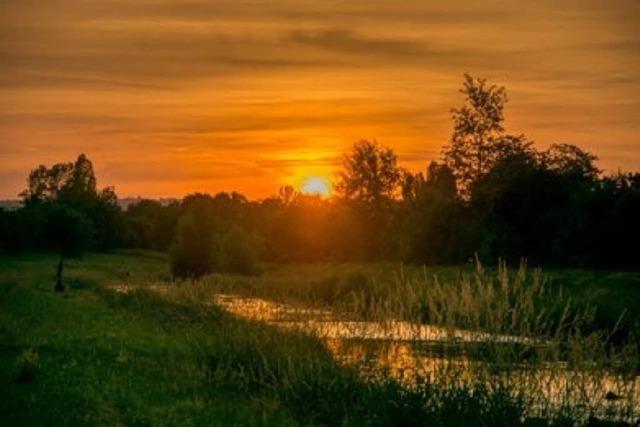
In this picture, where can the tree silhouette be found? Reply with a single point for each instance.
(72, 182)
(479, 139)
(193, 252)
(431, 213)
(44, 184)
(493, 194)
(570, 160)
(369, 174)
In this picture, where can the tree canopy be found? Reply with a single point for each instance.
(479, 139)
(369, 173)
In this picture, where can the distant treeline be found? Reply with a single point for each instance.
(492, 194)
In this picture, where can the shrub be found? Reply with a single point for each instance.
(237, 252)
(192, 253)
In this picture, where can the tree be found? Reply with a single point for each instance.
(370, 173)
(69, 232)
(431, 216)
(237, 252)
(74, 184)
(44, 184)
(193, 253)
(479, 139)
(80, 187)
(150, 224)
(207, 226)
(571, 161)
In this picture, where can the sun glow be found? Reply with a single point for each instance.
(316, 185)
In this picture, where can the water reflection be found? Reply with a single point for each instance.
(324, 324)
(450, 357)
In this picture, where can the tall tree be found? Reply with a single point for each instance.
(370, 173)
(73, 184)
(430, 220)
(479, 139)
(44, 184)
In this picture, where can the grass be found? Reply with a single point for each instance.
(612, 297)
(126, 346)
(96, 356)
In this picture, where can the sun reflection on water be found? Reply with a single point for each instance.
(410, 353)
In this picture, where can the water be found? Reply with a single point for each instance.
(408, 352)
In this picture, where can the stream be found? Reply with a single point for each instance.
(410, 352)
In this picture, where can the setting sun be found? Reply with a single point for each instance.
(316, 185)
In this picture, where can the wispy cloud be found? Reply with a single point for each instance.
(225, 93)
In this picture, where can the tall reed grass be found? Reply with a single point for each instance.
(540, 347)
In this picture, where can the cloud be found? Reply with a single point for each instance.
(34, 81)
(267, 83)
(350, 42)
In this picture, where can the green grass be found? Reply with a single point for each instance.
(94, 356)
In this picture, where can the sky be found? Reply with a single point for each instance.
(168, 97)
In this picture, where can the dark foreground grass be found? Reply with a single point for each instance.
(144, 356)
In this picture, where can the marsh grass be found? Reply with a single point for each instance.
(542, 348)
(127, 347)
(247, 357)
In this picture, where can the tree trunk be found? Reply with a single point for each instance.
(59, 286)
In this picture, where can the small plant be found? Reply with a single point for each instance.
(27, 366)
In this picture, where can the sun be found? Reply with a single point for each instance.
(316, 185)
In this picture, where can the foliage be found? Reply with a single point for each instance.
(193, 252)
(369, 173)
(479, 139)
(151, 225)
(210, 237)
(571, 161)
(492, 194)
(67, 230)
(433, 216)
(237, 252)
(55, 193)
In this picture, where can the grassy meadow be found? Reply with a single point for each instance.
(125, 345)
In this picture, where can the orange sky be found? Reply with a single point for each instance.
(169, 97)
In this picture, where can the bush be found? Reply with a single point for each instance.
(192, 253)
(198, 249)
(237, 252)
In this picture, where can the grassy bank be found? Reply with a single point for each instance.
(114, 350)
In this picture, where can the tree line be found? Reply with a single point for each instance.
(492, 193)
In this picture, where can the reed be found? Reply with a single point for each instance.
(536, 344)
